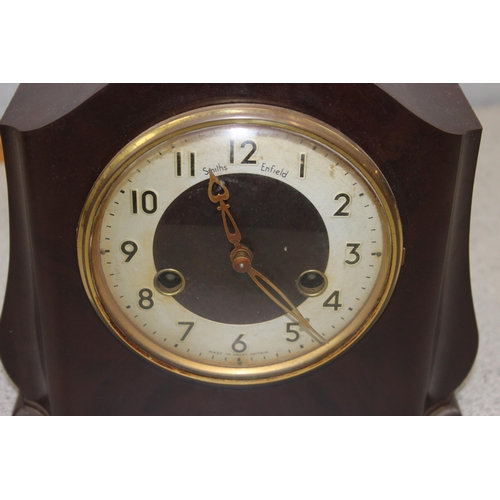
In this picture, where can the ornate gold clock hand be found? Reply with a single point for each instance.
(241, 257)
(234, 236)
(287, 305)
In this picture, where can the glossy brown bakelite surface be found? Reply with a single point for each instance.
(57, 139)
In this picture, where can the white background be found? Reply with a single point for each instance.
(348, 458)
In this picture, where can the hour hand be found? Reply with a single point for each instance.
(232, 232)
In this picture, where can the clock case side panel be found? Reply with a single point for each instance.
(445, 107)
(32, 107)
(20, 336)
(457, 334)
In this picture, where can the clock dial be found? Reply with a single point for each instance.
(240, 244)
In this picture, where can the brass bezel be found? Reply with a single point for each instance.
(237, 114)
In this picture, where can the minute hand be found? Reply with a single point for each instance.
(286, 305)
(241, 257)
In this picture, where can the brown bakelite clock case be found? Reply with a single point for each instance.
(239, 249)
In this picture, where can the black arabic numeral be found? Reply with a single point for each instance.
(354, 252)
(231, 151)
(347, 201)
(189, 324)
(290, 330)
(149, 202)
(134, 201)
(129, 252)
(146, 298)
(247, 160)
(335, 296)
(238, 345)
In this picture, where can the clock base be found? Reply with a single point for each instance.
(26, 408)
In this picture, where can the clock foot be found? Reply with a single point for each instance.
(25, 408)
(447, 408)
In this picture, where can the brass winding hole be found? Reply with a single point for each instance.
(169, 282)
(312, 283)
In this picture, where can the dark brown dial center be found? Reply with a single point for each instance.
(280, 227)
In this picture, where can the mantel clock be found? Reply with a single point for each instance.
(256, 249)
